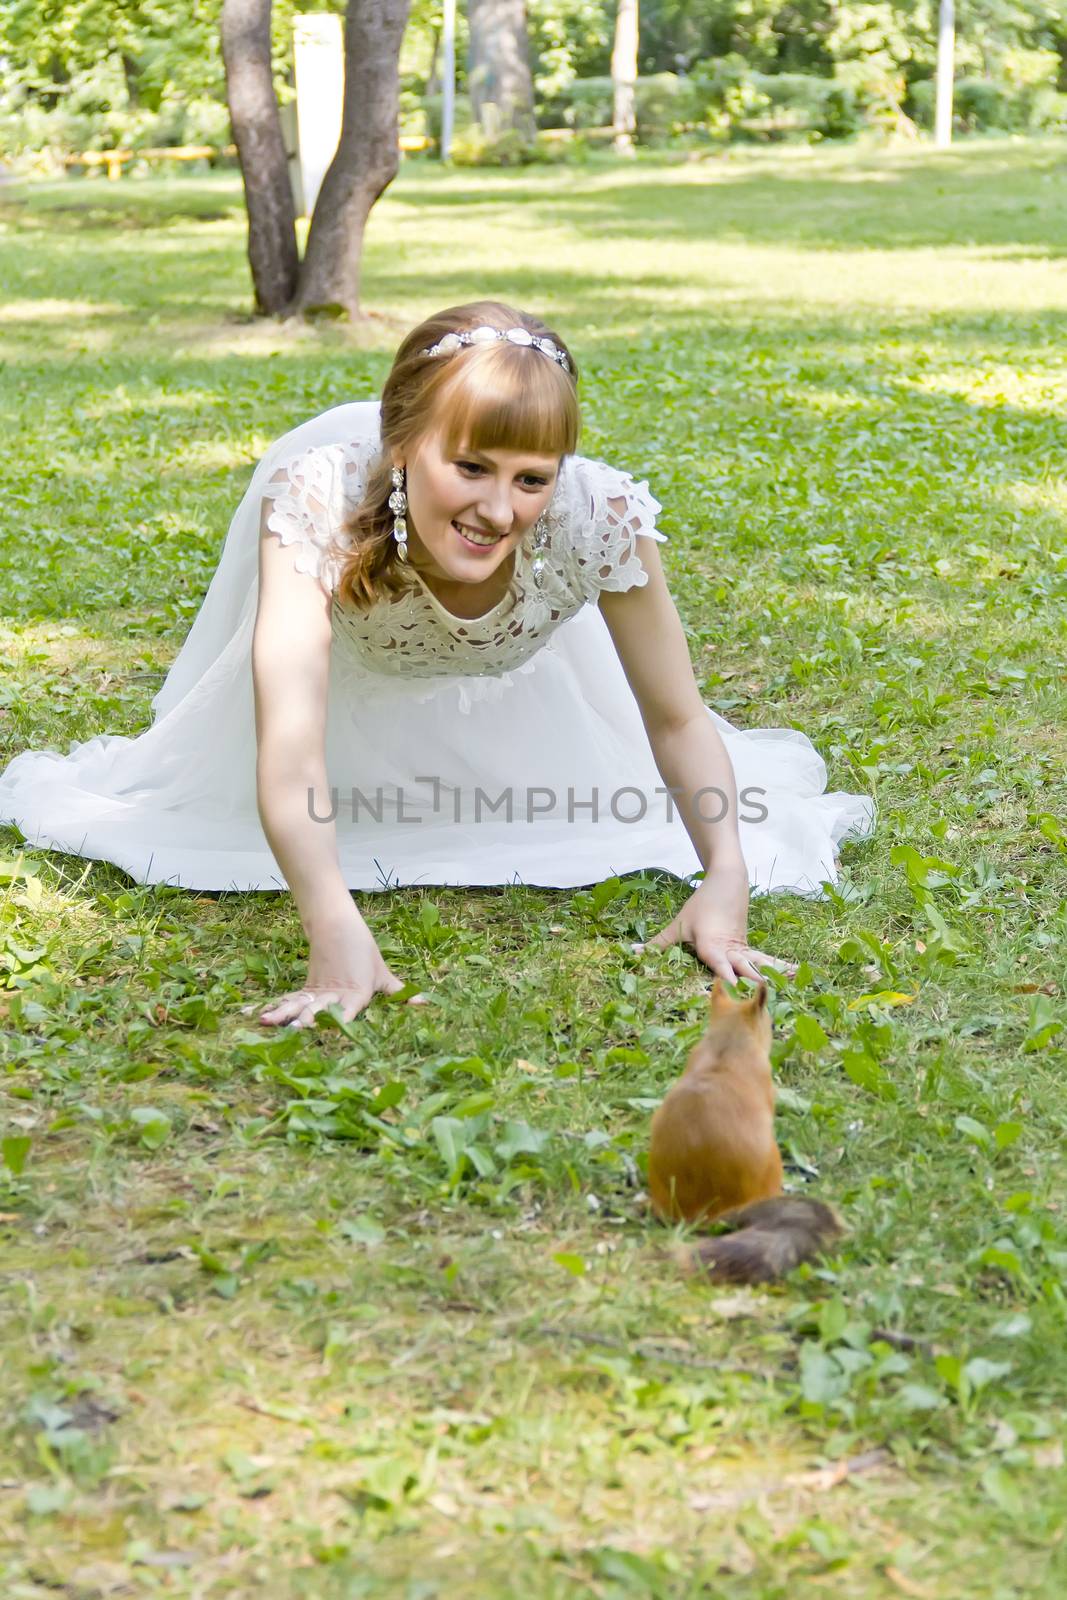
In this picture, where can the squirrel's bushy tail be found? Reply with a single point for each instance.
(768, 1240)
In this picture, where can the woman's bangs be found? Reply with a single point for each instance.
(510, 400)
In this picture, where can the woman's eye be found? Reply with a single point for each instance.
(475, 469)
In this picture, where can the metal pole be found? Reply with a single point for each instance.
(448, 78)
(946, 49)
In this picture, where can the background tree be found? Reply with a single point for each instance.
(257, 131)
(498, 72)
(368, 154)
(365, 163)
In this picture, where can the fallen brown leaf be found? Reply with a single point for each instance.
(906, 1585)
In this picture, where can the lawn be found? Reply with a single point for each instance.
(267, 1329)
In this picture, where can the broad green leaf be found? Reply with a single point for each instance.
(809, 1032)
(918, 1397)
(362, 1230)
(153, 1125)
(975, 1131)
(15, 1149)
(451, 1136)
(867, 1074)
(1003, 1490)
(519, 1138)
(980, 1372)
(821, 1379)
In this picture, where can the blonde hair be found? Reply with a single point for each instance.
(498, 396)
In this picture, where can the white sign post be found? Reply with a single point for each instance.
(448, 78)
(319, 61)
(946, 51)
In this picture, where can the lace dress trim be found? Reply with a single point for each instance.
(594, 520)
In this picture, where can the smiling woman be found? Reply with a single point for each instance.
(439, 649)
(471, 508)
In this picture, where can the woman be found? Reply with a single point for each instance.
(439, 648)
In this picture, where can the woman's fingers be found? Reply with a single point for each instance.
(719, 965)
(282, 1010)
(761, 959)
(299, 1008)
(350, 1003)
(729, 965)
(314, 1001)
(744, 968)
(730, 961)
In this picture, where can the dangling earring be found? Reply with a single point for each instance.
(398, 504)
(539, 545)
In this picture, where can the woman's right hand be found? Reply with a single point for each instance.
(346, 972)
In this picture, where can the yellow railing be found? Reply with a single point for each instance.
(114, 161)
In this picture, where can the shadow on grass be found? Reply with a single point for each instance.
(987, 195)
(816, 425)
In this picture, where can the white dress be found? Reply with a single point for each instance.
(508, 749)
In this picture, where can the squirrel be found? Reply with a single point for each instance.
(714, 1157)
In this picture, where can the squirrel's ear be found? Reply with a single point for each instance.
(719, 1000)
(759, 999)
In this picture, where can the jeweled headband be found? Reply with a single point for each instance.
(521, 336)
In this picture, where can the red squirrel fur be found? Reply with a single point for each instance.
(714, 1156)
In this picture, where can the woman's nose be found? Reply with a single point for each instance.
(495, 507)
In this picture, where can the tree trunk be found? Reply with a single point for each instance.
(130, 73)
(499, 75)
(433, 82)
(624, 76)
(257, 132)
(366, 160)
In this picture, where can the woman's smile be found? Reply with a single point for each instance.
(480, 538)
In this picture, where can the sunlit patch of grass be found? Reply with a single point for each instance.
(45, 310)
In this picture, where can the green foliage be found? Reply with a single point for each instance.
(1022, 98)
(471, 147)
(665, 103)
(731, 99)
(568, 39)
(98, 73)
(101, 73)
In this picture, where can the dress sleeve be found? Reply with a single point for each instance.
(611, 512)
(310, 499)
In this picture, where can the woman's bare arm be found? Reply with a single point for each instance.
(290, 674)
(651, 644)
(691, 757)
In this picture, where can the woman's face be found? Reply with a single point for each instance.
(468, 509)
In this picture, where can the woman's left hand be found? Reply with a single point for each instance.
(713, 922)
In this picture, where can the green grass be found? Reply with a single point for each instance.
(263, 1333)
